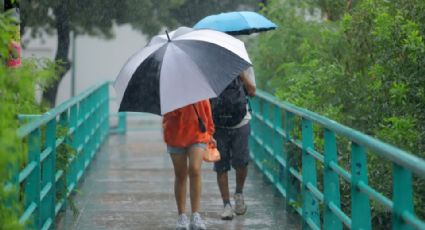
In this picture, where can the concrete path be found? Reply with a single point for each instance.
(130, 186)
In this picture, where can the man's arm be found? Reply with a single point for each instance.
(248, 84)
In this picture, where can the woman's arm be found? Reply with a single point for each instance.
(208, 117)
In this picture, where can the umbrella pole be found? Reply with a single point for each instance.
(168, 36)
(200, 121)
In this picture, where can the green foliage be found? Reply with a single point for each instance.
(65, 153)
(97, 17)
(17, 96)
(363, 67)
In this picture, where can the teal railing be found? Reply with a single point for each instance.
(280, 129)
(85, 119)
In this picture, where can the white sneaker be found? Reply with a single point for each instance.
(240, 207)
(196, 222)
(182, 222)
(227, 213)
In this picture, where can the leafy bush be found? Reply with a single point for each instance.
(17, 96)
(363, 67)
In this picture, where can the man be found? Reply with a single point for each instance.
(232, 142)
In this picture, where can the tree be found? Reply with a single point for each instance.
(363, 68)
(96, 17)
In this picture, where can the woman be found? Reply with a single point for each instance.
(187, 131)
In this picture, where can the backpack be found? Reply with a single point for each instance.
(229, 108)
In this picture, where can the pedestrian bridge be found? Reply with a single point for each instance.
(307, 172)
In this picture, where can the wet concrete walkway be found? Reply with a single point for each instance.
(130, 186)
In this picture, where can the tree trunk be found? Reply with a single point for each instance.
(63, 32)
(349, 5)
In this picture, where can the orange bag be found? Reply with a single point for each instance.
(211, 153)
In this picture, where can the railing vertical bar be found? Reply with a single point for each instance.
(82, 135)
(89, 127)
(263, 153)
(402, 197)
(251, 141)
(98, 118)
(310, 203)
(254, 146)
(73, 124)
(331, 183)
(360, 207)
(267, 140)
(122, 122)
(289, 182)
(49, 172)
(63, 182)
(106, 109)
(278, 143)
(32, 182)
(93, 123)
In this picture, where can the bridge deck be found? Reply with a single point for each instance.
(130, 186)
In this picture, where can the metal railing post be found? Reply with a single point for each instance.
(310, 206)
(49, 176)
(331, 183)
(32, 183)
(360, 206)
(402, 197)
(122, 122)
(288, 178)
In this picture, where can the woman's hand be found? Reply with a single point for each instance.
(213, 141)
(249, 86)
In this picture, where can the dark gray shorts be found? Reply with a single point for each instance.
(233, 147)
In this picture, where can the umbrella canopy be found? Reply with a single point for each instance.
(178, 69)
(236, 23)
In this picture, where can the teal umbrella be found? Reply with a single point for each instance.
(236, 23)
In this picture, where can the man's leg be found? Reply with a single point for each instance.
(221, 167)
(240, 206)
(223, 185)
(241, 173)
(240, 161)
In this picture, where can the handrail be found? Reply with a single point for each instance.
(274, 146)
(85, 119)
(49, 115)
(393, 153)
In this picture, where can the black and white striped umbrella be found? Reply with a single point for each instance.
(179, 69)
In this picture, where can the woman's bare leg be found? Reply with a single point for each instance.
(180, 181)
(195, 175)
